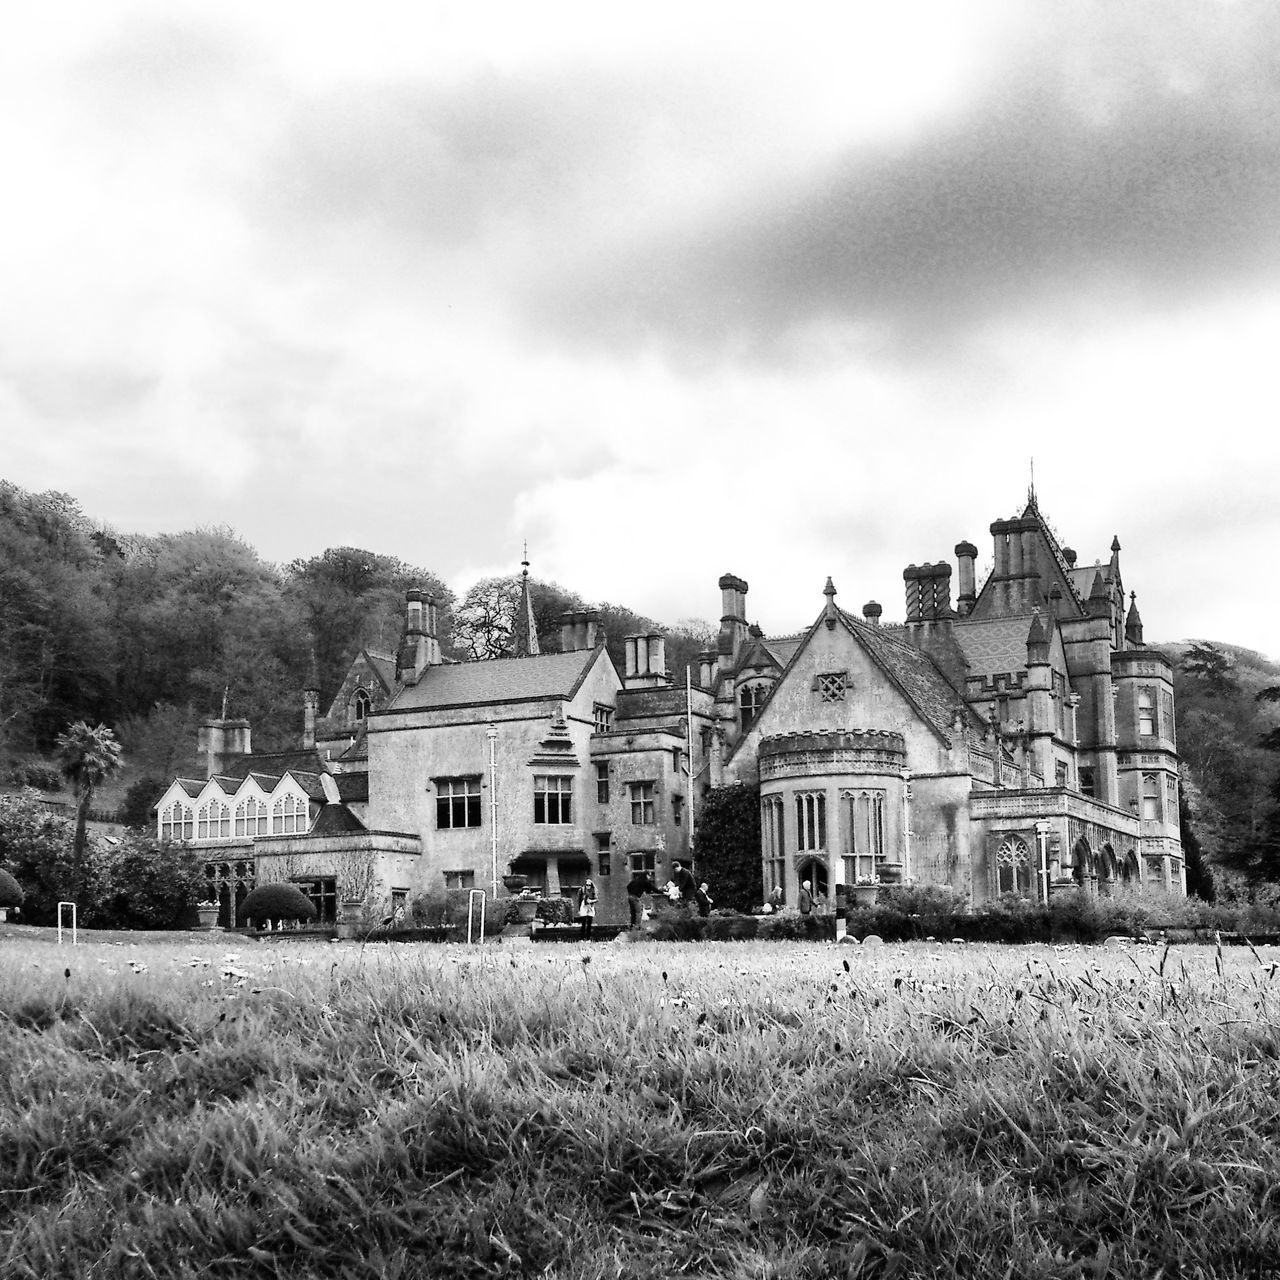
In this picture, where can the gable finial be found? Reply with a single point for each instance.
(830, 592)
(1031, 489)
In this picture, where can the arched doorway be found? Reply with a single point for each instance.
(815, 871)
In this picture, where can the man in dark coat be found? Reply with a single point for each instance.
(637, 887)
(683, 880)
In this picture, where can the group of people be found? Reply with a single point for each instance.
(682, 890)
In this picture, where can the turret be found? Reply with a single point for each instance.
(1133, 623)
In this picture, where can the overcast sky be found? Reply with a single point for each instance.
(666, 290)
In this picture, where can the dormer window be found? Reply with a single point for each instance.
(751, 701)
(361, 705)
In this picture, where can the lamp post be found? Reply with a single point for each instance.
(492, 734)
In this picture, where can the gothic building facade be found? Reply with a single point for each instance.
(1017, 740)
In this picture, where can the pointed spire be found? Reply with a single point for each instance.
(830, 611)
(524, 631)
(1133, 623)
(1099, 599)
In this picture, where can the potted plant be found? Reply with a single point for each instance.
(514, 882)
(865, 891)
(208, 913)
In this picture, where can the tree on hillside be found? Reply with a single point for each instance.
(57, 633)
(1210, 665)
(726, 846)
(484, 620)
(88, 756)
(351, 599)
(1199, 876)
(35, 848)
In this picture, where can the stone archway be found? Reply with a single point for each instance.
(1131, 870)
(815, 871)
(1108, 871)
(1083, 867)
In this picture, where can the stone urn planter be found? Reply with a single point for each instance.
(526, 910)
(891, 873)
(350, 916)
(513, 883)
(864, 895)
(208, 913)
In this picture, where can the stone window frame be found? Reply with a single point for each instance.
(459, 797)
(811, 821)
(643, 799)
(1012, 853)
(1148, 712)
(602, 717)
(862, 831)
(553, 799)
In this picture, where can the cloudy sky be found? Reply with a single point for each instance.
(667, 290)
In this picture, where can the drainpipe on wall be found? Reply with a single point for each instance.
(1042, 856)
(492, 734)
(906, 826)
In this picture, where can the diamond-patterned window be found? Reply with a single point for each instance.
(831, 686)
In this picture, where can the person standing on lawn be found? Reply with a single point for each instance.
(683, 880)
(704, 900)
(639, 884)
(805, 900)
(587, 906)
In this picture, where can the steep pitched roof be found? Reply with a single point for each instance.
(384, 667)
(334, 820)
(546, 675)
(917, 676)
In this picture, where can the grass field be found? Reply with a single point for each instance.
(739, 1109)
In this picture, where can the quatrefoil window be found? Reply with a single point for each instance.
(831, 686)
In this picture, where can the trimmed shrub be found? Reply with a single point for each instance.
(11, 894)
(277, 902)
(791, 926)
(556, 911)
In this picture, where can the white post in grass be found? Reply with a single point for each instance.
(72, 905)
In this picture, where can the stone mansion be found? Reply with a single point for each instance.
(1018, 738)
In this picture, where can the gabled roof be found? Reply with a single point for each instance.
(917, 676)
(545, 675)
(384, 667)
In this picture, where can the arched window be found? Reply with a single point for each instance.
(289, 816)
(1013, 867)
(862, 834)
(360, 704)
(751, 700)
(1151, 797)
(811, 820)
(251, 817)
(773, 837)
(176, 822)
(213, 821)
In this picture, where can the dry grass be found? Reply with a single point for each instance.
(721, 1109)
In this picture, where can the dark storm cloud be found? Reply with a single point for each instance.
(1156, 186)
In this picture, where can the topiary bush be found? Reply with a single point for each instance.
(11, 894)
(277, 902)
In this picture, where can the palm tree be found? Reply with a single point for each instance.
(89, 756)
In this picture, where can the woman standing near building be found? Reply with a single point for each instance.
(587, 906)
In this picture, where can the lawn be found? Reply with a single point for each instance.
(738, 1109)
